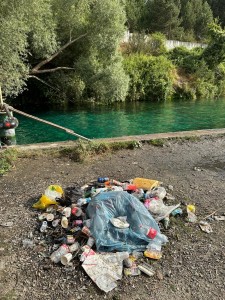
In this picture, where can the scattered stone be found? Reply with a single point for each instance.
(6, 224)
(159, 275)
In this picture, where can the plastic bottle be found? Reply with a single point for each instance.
(90, 241)
(154, 247)
(129, 187)
(44, 226)
(139, 194)
(158, 192)
(27, 243)
(56, 255)
(76, 211)
(155, 235)
(83, 201)
(115, 182)
(103, 179)
(62, 250)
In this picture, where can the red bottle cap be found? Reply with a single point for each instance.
(131, 187)
(7, 124)
(74, 210)
(152, 233)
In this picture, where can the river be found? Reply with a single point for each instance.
(123, 119)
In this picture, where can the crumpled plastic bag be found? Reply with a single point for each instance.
(108, 205)
(51, 193)
(44, 202)
(158, 209)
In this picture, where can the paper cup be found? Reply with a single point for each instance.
(64, 222)
(67, 212)
(50, 217)
(66, 258)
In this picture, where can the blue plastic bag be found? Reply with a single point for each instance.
(113, 204)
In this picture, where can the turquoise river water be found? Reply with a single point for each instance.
(123, 119)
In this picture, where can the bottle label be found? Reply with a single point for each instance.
(151, 233)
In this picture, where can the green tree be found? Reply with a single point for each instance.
(214, 54)
(205, 16)
(164, 16)
(53, 36)
(135, 13)
(218, 8)
(96, 58)
(26, 29)
(196, 14)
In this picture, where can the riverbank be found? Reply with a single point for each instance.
(192, 262)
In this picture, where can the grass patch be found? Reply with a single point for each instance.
(7, 159)
(192, 138)
(80, 150)
(83, 150)
(157, 142)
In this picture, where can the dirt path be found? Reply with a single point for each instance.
(193, 262)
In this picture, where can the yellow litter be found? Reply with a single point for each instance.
(145, 184)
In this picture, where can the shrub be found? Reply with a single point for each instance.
(151, 78)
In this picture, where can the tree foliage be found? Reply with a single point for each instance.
(196, 14)
(218, 8)
(26, 31)
(214, 54)
(44, 36)
(135, 10)
(164, 16)
(151, 77)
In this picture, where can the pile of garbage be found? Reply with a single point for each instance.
(106, 225)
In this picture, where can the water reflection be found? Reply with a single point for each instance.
(124, 119)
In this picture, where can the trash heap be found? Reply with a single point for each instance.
(106, 225)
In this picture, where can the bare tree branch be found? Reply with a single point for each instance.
(50, 58)
(52, 87)
(50, 70)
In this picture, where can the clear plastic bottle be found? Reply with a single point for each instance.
(83, 201)
(56, 255)
(44, 226)
(155, 245)
(158, 192)
(139, 194)
(62, 250)
(103, 179)
(155, 236)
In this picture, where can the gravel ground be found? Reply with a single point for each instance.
(192, 266)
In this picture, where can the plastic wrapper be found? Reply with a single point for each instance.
(145, 184)
(108, 205)
(105, 269)
(159, 209)
(49, 198)
(44, 202)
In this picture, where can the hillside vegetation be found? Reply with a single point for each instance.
(68, 52)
